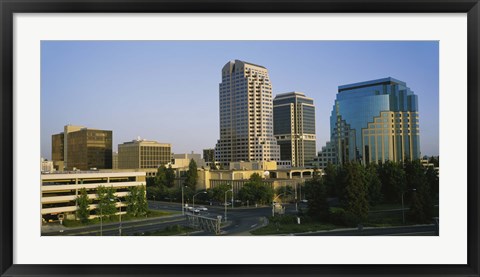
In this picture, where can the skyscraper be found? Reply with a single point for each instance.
(375, 121)
(246, 115)
(294, 127)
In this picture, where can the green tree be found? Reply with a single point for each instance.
(161, 177)
(153, 193)
(83, 203)
(356, 192)
(256, 191)
(392, 177)
(374, 185)
(192, 175)
(142, 201)
(416, 213)
(136, 200)
(169, 176)
(434, 160)
(421, 208)
(106, 201)
(150, 182)
(131, 200)
(432, 179)
(330, 179)
(218, 192)
(316, 194)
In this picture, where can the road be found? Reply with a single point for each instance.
(241, 220)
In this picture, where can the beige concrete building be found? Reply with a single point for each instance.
(115, 160)
(271, 165)
(143, 154)
(59, 191)
(183, 160)
(238, 177)
(46, 166)
(246, 115)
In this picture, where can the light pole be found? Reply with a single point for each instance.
(193, 200)
(183, 208)
(101, 220)
(403, 209)
(226, 203)
(232, 194)
(296, 201)
(120, 216)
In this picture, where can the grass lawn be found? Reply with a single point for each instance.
(382, 207)
(288, 228)
(150, 214)
(171, 231)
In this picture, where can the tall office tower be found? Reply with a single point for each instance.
(294, 128)
(375, 121)
(246, 115)
(82, 148)
(143, 154)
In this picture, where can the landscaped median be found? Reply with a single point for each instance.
(288, 224)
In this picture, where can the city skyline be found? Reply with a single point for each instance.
(168, 91)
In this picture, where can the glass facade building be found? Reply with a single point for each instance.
(246, 115)
(294, 128)
(82, 148)
(375, 121)
(90, 148)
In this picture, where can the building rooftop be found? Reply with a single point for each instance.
(291, 94)
(144, 141)
(387, 81)
(251, 64)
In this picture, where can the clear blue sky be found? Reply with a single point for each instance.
(168, 90)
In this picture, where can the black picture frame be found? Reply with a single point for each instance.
(10, 7)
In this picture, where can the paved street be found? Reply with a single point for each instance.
(240, 221)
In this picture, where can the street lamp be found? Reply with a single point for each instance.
(120, 215)
(232, 194)
(296, 201)
(403, 208)
(226, 202)
(101, 219)
(193, 200)
(183, 208)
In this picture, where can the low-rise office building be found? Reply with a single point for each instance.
(81, 148)
(141, 153)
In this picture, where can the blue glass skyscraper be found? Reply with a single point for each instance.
(375, 121)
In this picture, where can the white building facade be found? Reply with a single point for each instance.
(246, 115)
